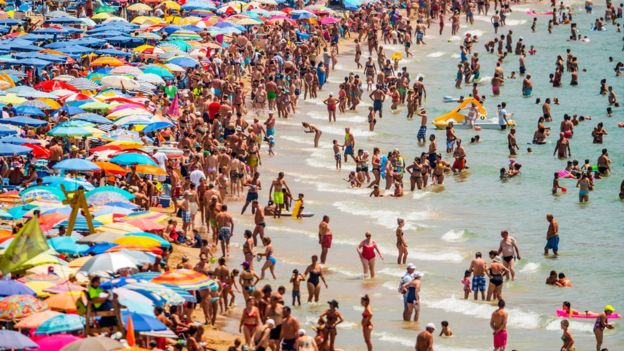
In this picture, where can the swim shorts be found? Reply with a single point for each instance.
(271, 95)
(500, 339)
(478, 283)
(377, 105)
(326, 242)
(251, 196)
(225, 233)
(422, 132)
(348, 150)
(278, 197)
(553, 243)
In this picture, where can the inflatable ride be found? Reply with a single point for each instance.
(460, 120)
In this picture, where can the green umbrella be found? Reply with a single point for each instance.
(95, 105)
(106, 8)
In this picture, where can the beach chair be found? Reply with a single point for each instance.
(96, 321)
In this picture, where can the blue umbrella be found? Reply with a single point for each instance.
(19, 140)
(61, 324)
(75, 49)
(6, 130)
(133, 159)
(53, 31)
(10, 340)
(142, 323)
(113, 52)
(23, 121)
(34, 62)
(182, 61)
(13, 150)
(10, 22)
(68, 245)
(100, 248)
(29, 92)
(13, 287)
(72, 110)
(76, 164)
(67, 20)
(29, 111)
(119, 282)
(92, 117)
(155, 126)
(69, 184)
(46, 192)
(80, 225)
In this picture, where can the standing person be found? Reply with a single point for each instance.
(510, 251)
(331, 317)
(331, 103)
(424, 341)
(401, 244)
(259, 221)
(512, 144)
(305, 342)
(503, 119)
(325, 238)
(412, 297)
(478, 268)
(366, 250)
(277, 194)
(315, 275)
(367, 324)
(225, 223)
(496, 272)
(498, 323)
(584, 185)
(290, 330)
(602, 322)
(567, 338)
(407, 278)
(254, 186)
(552, 235)
(250, 321)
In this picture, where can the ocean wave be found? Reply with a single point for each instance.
(575, 326)
(454, 236)
(385, 218)
(340, 131)
(296, 139)
(530, 267)
(411, 342)
(340, 118)
(436, 54)
(517, 318)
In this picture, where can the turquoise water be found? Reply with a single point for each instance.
(445, 228)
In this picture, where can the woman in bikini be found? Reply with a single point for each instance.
(367, 324)
(270, 260)
(401, 244)
(376, 167)
(248, 280)
(496, 272)
(567, 338)
(332, 317)
(366, 250)
(250, 320)
(315, 275)
(415, 171)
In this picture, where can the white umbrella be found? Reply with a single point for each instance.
(120, 82)
(150, 78)
(99, 238)
(135, 71)
(175, 68)
(110, 262)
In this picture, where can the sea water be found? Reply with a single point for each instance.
(445, 228)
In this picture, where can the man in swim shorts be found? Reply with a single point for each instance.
(276, 193)
(349, 145)
(378, 97)
(325, 238)
(290, 330)
(225, 223)
(478, 267)
(552, 235)
(509, 250)
(498, 323)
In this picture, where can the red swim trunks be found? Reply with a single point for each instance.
(326, 242)
(500, 339)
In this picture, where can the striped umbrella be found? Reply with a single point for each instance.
(37, 104)
(84, 84)
(185, 279)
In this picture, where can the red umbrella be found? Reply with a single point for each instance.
(106, 148)
(39, 151)
(50, 85)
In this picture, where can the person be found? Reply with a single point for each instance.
(424, 341)
(496, 272)
(305, 342)
(602, 322)
(366, 250)
(261, 338)
(367, 324)
(278, 194)
(250, 320)
(567, 338)
(510, 251)
(401, 244)
(563, 281)
(446, 330)
(478, 268)
(290, 330)
(502, 116)
(325, 238)
(412, 297)
(552, 278)
(584, 185)
(225, 223)
(552, 236)
(315, 275)
(332, 318)
(296, 280)
(466, 284)
(498, 323)
(407, 277)
(270, 259)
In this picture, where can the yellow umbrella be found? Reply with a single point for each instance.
(172, 5)
(189, 20)
(105, 218)
(11, 99)
(141, 241)
(53, 104)
(79, 262)
(139, 7)
(101, 16)
(107, 61)
(143, 48)
(126, 144)
(39, 286)
(144, 19)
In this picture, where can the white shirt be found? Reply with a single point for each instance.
(407, 277)
(502, 113)
(196, 176)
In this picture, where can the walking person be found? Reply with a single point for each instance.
(552, 236)
(366, 250)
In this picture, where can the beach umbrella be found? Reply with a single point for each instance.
(130, 158)
(76, 164)
(95, 106)
(105, 194)
(67, 245)
(185, 279)
(126, 69)
(92, 117)
(183, 61)
(42, 192)
(134, 301)
(155, 126)
(83, 84)
(37, 103)
(109, 263)
(7, 130)
(157, 70)
(11, 99)
(100, 238)
(139, 241)
(69, 132)
(19, 140)
(68, 183)
(51, 85)
(139, 7)
(12, 340)
(13, 287)
(35, 320)
(20, 306)
(61, 324)
(163, 242)
(23, 121)
(137, 253)
(107, 61)
(142, 322)
(55, 342)
(74, 110)
(41, 259)
(161, 295)
(64, 302)
(111, 169)
(98, 343)
(118, 227)
(119, 82)
(65, 287)
(150, 78)
(13, 150)
(29, 110)
(106, 8)
(329, 20)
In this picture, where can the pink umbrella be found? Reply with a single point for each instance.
(125, 106)
(64, 287)
(329, 20)
(55, 342)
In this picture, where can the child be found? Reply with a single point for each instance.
(466, 283)
(300, 210)
(337, 156)
(371, 119)
(398, 189)
(271, 142)
(353, 180)
(446, 331)
(296, 280)
(556, 185)
(376, 192)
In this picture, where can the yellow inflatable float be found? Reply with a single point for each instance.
(459, 119)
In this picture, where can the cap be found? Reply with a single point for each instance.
(609, 308)
(418, 275)
(430, 326)
(245, 264)
(301, 332)
(333, 303)
(411, 266)
(270, 322)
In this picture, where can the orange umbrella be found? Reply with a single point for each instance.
(35, 320)
(64, 302)
(150, 169)
(111, 168)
